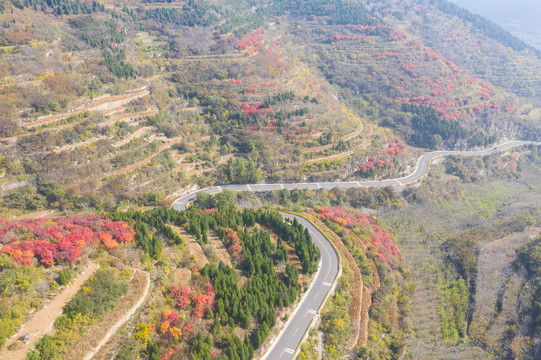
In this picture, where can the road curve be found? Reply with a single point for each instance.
(288, 342)
(420, 171)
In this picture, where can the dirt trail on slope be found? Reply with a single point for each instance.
(42, 321)
(355, 133)
(221, 251)
(345, 153)
(139, 133)
(104, 103)
(193, 246)
(79, 144)
(128, 117)
(217, 56)
(346, 137)
(96, 337)
(169, 143)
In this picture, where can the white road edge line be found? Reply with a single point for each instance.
(303, 299)
(414, 175)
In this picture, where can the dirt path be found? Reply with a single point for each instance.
(362, 339)
(345, 153)
(138, 133)
(319, 148)
(36, 214)
(355, 133)
(194, 247)
(346, 137)
(217, 56)
(79, 144)
(162, 148)
(111, 323)
(332, 157)
(105, 103)
(42, 321)
(221, 251)
(128, 117)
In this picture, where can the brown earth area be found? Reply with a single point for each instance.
(221, 251)
(100, 333)
(182, 276)
(493, 273)
(103, 103)
(193, 246)
(42, 321)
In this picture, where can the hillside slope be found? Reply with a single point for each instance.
(101, 102)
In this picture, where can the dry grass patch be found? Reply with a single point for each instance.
(193, 247)
(221, 251)
(92, 338)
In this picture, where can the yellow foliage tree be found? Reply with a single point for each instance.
(175, 331)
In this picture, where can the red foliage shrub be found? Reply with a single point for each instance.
(173, 317)
(377, 238)
(271, 126)
(251, 39)
(395, 146)
(182, 295)
(60, 239)
(233, 239)
(255, 108)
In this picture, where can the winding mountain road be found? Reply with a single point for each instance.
(420, 171)
(287, 344)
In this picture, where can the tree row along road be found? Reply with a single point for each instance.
(286, 345)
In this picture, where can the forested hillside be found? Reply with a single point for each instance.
(244, 296)
(142, 101)
(206, 311)
(109, 111)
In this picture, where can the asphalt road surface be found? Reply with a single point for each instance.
(289, 340)
(285, 346)
(420, 171)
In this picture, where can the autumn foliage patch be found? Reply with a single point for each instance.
(199, 300)
(373, 165)
(255, 108)
(251, 40)
(395, 146)
(377, 238)
(60, 240)
(232, 239)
